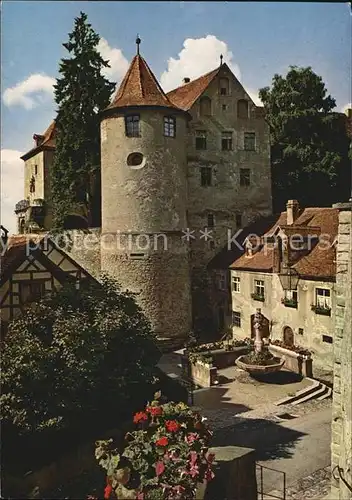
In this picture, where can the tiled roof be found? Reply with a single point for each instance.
(185, 96)
(140, 88)
(317, 263)
(48, 142)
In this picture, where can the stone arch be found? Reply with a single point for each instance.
(205, 106)
(288, 336)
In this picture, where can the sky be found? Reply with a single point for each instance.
(179, 39)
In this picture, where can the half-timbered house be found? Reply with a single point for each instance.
(30, 266)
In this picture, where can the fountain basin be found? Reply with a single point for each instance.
(274, 366)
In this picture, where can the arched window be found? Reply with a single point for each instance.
(205, 106)
(224, 86)
(242, 108)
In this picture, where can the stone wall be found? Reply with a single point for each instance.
(341, 440)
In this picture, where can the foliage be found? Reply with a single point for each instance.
(205, 358)
(81, 93)
(263, 358)
(73, 354)
(309, 142)
(163, 459)
(294, 348)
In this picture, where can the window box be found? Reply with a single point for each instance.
(289, 303)
(325, 311)
(257, 296)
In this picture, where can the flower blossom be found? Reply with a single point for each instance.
(140, 417)
(172, 425)
(159, 468)
(163, 441)
(107, 491)
(155, 410)
(191, 437)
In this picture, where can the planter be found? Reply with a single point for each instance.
(325, 311)
(297, 363)
(259, 369)
(256, 296)
(199, 373)
(290, 303)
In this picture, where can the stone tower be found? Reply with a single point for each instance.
(144, 200)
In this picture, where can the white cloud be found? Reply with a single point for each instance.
(254, 95)
(198, 56)
(12, 179)
(118, 62)
(31, 92)
(346, 107)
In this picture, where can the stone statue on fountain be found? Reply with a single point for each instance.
(258, 329)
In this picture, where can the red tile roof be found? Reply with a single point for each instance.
(16, 249)
(140, 88)
(48, 142)
(316, 263)
(185, 96)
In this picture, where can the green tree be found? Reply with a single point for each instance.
(309, 142)
(73, 356)
(81, 92)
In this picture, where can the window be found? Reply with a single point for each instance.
(291, 295)
(205, 106)
(224, 86)
(201, 139)
(245, 177)
(323, 299)
(135, 160)
(32, 185)
(205, 176)
(238, 220)
(169, 126)
(236, 284)
(137, 256)
(224, 107)
(132, 126)
(236, 319)
(222, 281)
(249, 141)
(211, 220)
(259, 288)
(35, 169)
(242, 108)
(327, 339)
(226, 141)
(31, 291)
(300, 331)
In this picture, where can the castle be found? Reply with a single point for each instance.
(180, 172)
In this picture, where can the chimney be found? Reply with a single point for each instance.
(186, 80)
(292, 210)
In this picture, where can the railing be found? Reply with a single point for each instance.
(260, 491)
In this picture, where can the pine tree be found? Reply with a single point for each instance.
(81, 92)
(309, 142)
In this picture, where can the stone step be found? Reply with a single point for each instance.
(302, 393)
(312, 395)
(328, 394)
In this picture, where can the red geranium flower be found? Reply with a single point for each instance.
(155, 410)
(140, 417)
(107, 492)
(162, 441)
(172, 425)
(159, 468)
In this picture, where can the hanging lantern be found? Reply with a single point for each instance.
(289, 278)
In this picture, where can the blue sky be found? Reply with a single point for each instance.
(178, 39)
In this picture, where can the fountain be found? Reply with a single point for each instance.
(259, 361)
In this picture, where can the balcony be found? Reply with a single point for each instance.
(257, 296)
(289, 303)
(323, 310)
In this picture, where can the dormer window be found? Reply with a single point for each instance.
(132, 126)
(169, 126)
(224, 86)
(205, 106)
(242, 108)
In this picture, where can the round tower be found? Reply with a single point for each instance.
(144, 195)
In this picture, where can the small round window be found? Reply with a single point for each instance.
(135, 160)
